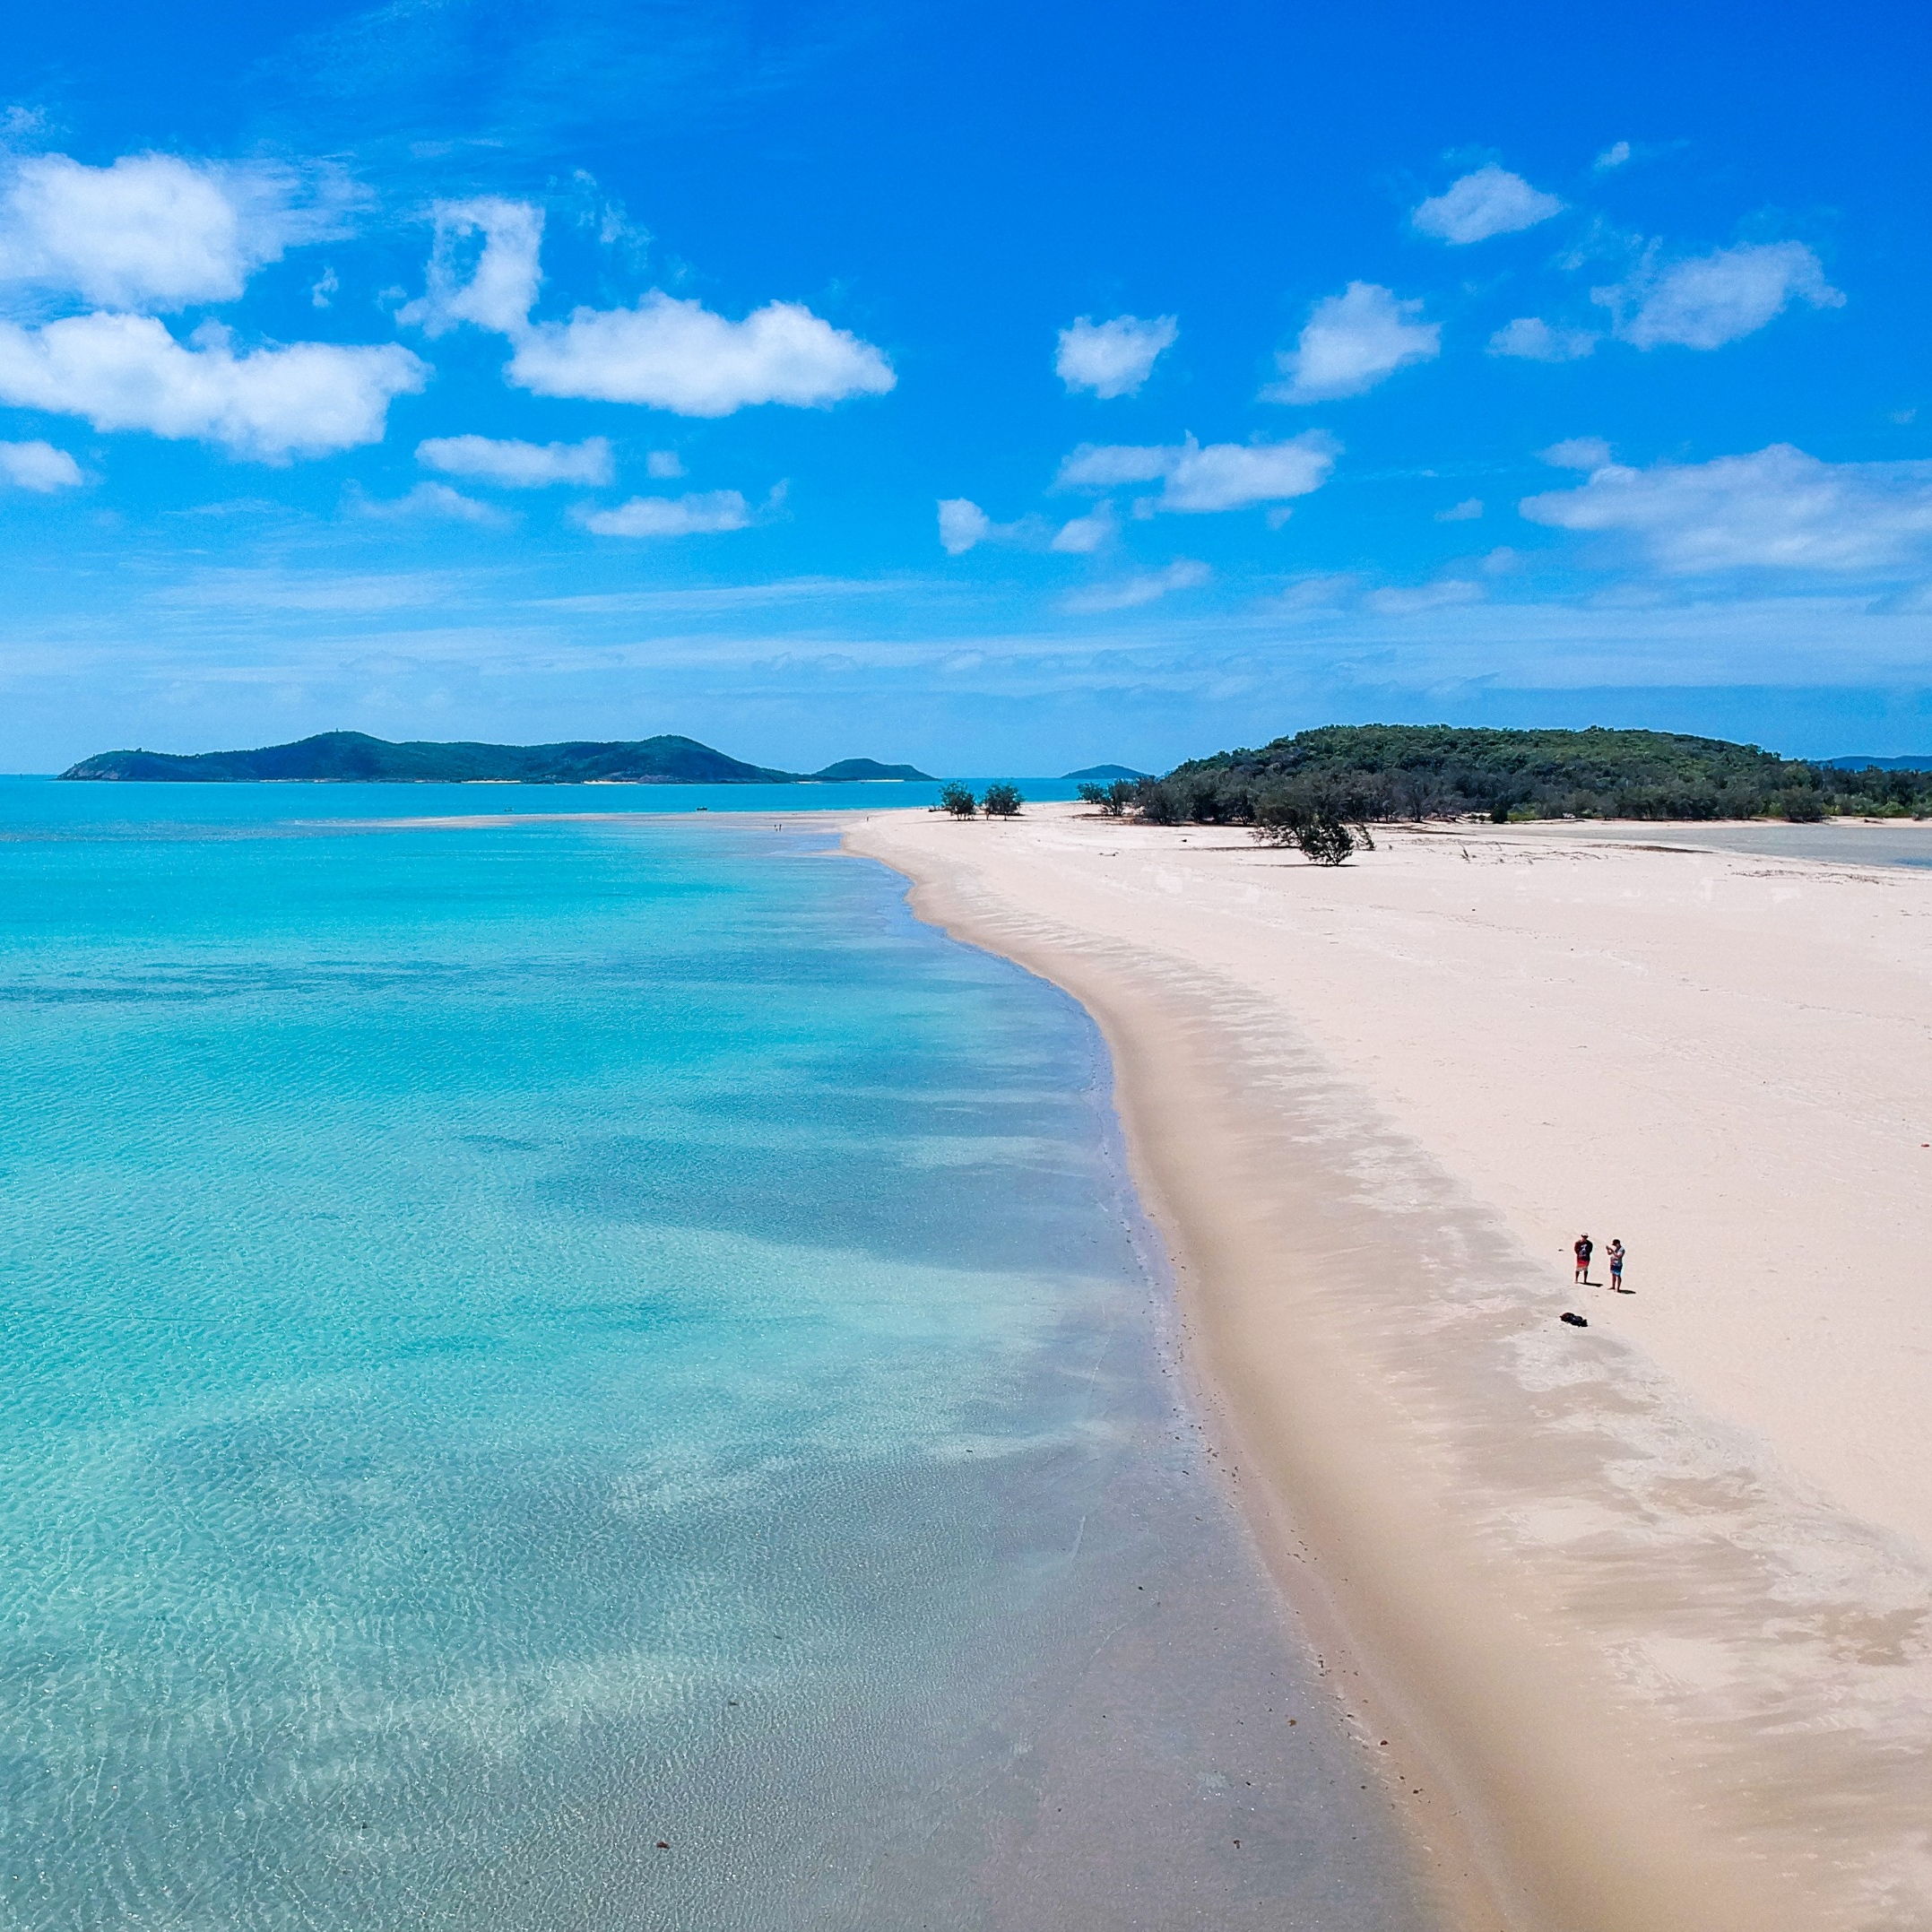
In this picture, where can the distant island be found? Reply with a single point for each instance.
(867, 771)
(352, 758)
(1363, 774)
(1103, 774)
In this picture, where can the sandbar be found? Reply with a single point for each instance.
(1643, 1609)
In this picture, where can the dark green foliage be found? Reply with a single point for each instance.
(1323, 841)
(1001, 801)
(1363, 775)
(1112, 799)
(352, 758)
(1314, 813)
(957, 799)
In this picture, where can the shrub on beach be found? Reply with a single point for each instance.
(1113, 800)
(1001, 801)
(957, 799)
(1323, 841)
(1315, 819)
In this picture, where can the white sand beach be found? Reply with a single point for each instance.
(1643, 1610)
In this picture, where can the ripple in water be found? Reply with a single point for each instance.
(562, 1375)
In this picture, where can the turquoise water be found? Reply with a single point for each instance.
(143, 809)
(525, 1341)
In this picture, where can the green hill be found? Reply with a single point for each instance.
(868, 771)
(1375, 772)
(352, 758)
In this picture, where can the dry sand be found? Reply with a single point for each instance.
(1644, 1609)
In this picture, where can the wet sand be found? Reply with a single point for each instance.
(1641, 1607)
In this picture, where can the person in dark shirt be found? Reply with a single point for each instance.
(1585, 1248)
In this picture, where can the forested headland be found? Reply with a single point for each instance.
(1378, 773)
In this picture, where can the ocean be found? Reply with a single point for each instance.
(588, 1372)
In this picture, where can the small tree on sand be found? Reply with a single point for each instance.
(1323, 841)
(1112, 799)
(957, 799)
(1001, 801)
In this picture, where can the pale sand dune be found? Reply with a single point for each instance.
(1643, 1610)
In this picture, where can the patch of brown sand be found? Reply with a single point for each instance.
(1649, 1600)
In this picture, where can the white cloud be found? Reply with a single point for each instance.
(962, 525)
(435, 500)
(1465, 512)
(1613, 156)
(1533, 340)
(38, 466)
(1183, 574)
(492, 282)
(1220, 476)
(1102, 466)
(1351, 343)
(1715, 298)
(1441, 596)
(1325, 591)
(127, 372)
(150, 232)
(1490, 201)
(679, 356)
(666, 465)
(665, 353)
(1227, 476)
(1081, 536)
(703, 513)
(518, 465)
(1777, 508)
(1113, 358)
(1577, 453)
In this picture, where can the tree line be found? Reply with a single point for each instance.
(1322, 790)
(1376, 774)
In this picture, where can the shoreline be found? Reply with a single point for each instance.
(1635, 1672)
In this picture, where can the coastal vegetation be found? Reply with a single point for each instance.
(352, 758)
(1113, 799)
(1355, 775)
(998, 801)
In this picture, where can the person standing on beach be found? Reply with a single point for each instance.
(1585, 1248)
(1615, 1251)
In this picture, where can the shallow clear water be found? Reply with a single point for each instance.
(1844, 845)
(525, 1341)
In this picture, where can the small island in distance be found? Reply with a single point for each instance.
(352, 758)
(1105, 774)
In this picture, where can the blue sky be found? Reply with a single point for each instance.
(998, 387)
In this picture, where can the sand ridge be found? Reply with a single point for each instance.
(1647, 1605)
